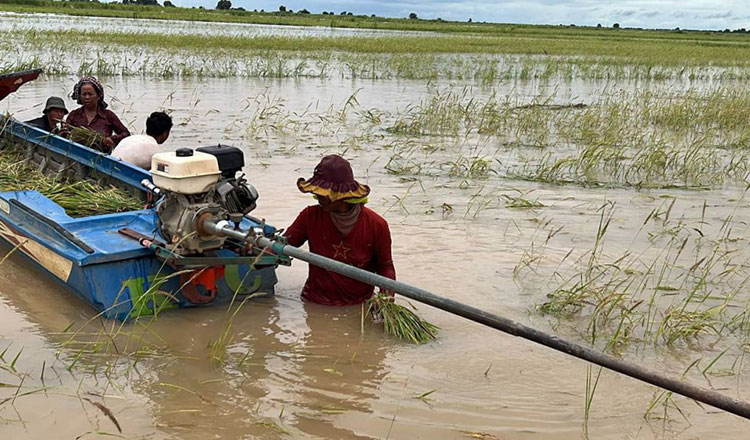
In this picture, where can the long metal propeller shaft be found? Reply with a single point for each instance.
(704, 395)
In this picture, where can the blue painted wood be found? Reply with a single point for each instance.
(124, 172)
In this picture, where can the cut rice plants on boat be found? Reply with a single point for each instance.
(79, 199)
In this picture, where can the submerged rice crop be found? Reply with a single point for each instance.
(695, 139)
(684, 286)
(479, 59)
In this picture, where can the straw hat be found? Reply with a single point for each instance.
(333, 178)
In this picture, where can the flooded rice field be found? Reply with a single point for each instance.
(178, 49)
(611, 214)
(10, 22)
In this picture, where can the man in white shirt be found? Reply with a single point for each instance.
(139, 148)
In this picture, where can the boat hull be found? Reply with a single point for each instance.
(89, 256)
(124, 285)
(10, 82)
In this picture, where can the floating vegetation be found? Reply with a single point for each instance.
(398, 320)
(521, 202)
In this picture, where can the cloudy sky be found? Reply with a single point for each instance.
(665, 14)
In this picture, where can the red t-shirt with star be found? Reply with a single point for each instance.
(367, 246)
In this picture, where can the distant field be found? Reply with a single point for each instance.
(347, 21)
(657, 51)
(618, 46)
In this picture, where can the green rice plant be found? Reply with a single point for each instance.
(86, 136)
(79, 198)
(400, 165)
(444, 113)
(479, 202)
(666, 400)
(520, 202)
(670, 300)
(469, 168)
(398, 320)
(425, 57)
(590, 391)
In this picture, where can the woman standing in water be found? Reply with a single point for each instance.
(93, 114)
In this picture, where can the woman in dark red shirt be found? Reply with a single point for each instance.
(93, 114)
(342, 228)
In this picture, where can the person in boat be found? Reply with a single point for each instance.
(138, 149)
(94, 116)
(52, 117)
(340, 227)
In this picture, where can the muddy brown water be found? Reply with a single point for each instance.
(299, 370)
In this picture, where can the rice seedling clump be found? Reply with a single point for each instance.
(399, 321)
(79, 199)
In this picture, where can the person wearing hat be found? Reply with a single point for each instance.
(54, 111)
(342, 228)
(93, 114)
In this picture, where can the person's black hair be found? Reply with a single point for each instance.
(158, 123)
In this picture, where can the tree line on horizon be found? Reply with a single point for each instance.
(226, 5)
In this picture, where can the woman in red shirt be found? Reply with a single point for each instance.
(93, 114)
(342, 228)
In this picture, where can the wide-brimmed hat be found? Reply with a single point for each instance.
(54, 102)
(333, 178)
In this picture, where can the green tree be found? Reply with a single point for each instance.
(224, 5)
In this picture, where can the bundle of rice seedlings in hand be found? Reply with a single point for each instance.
(87, 137)
(398, 320)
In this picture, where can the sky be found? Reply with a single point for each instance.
(659, 14)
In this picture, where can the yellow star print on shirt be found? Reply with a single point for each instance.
(340, 250)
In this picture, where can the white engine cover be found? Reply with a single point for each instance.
(185, 174)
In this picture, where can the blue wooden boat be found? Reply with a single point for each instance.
(120, 263)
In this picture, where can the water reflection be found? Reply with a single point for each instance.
(292, 368)
(341, 371)
(54, 401)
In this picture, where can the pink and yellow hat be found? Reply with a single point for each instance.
(333, 178)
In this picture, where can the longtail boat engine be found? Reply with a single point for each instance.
(197, 186)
